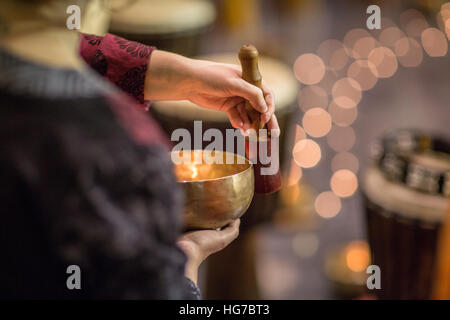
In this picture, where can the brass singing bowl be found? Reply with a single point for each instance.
(215, 193)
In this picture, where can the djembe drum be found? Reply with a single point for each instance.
(182, 114)
(172, 25)
(406, 195)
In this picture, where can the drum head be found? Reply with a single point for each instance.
(162, 16)
(276, 74)
(405, 202)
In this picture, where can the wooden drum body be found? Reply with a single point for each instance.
(406, 200)
(172, 25)
(403, 229)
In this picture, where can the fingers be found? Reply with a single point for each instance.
(273, 126)
(265, 117)
(229, 233)
(235, 118)
(231, 103)
(262, 100)
(239, 118)
(270, 101)
(251, 93)
(232, 227)
(200, 244)
(244, 116)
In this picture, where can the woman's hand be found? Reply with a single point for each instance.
(210, 85)
(198, 245)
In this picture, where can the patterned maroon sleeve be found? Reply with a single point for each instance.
(122, 62)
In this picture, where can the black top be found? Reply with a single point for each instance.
(81, 186)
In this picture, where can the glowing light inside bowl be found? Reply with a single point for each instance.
(194, 171)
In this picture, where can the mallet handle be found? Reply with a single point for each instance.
(248, 55)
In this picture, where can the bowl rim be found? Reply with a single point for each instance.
(247, 161)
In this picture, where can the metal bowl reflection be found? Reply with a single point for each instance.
(217, 192)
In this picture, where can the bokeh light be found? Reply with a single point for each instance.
(309, 69)
(386, 22)
(277, 276)
(305, 245)
(351, 38)
(333, 54)
(363, 47)
(345, 160)
(317, 122)
(327, 205)
(347, 93)
(312, 97)
(447, 28)
(357, 256)
(344, 183)
(374, 58)
(341, 138)
(306, 153)
(434, 42)
(409, 16)
(409, 52)
(389, 36)
(342, 117)
(329, 79)
(384, 62)
(416, 27)
(363, 72)
(443, 19)
(445, 14)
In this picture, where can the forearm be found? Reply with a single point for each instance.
(169, 76)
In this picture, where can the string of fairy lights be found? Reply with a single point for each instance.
(334, 79)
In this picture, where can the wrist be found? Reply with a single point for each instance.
(191, 270)
(193, 261)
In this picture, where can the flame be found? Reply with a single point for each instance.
(194, 171)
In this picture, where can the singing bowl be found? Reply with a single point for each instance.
(216, 193)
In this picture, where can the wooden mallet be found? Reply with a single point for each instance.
(264, 183)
